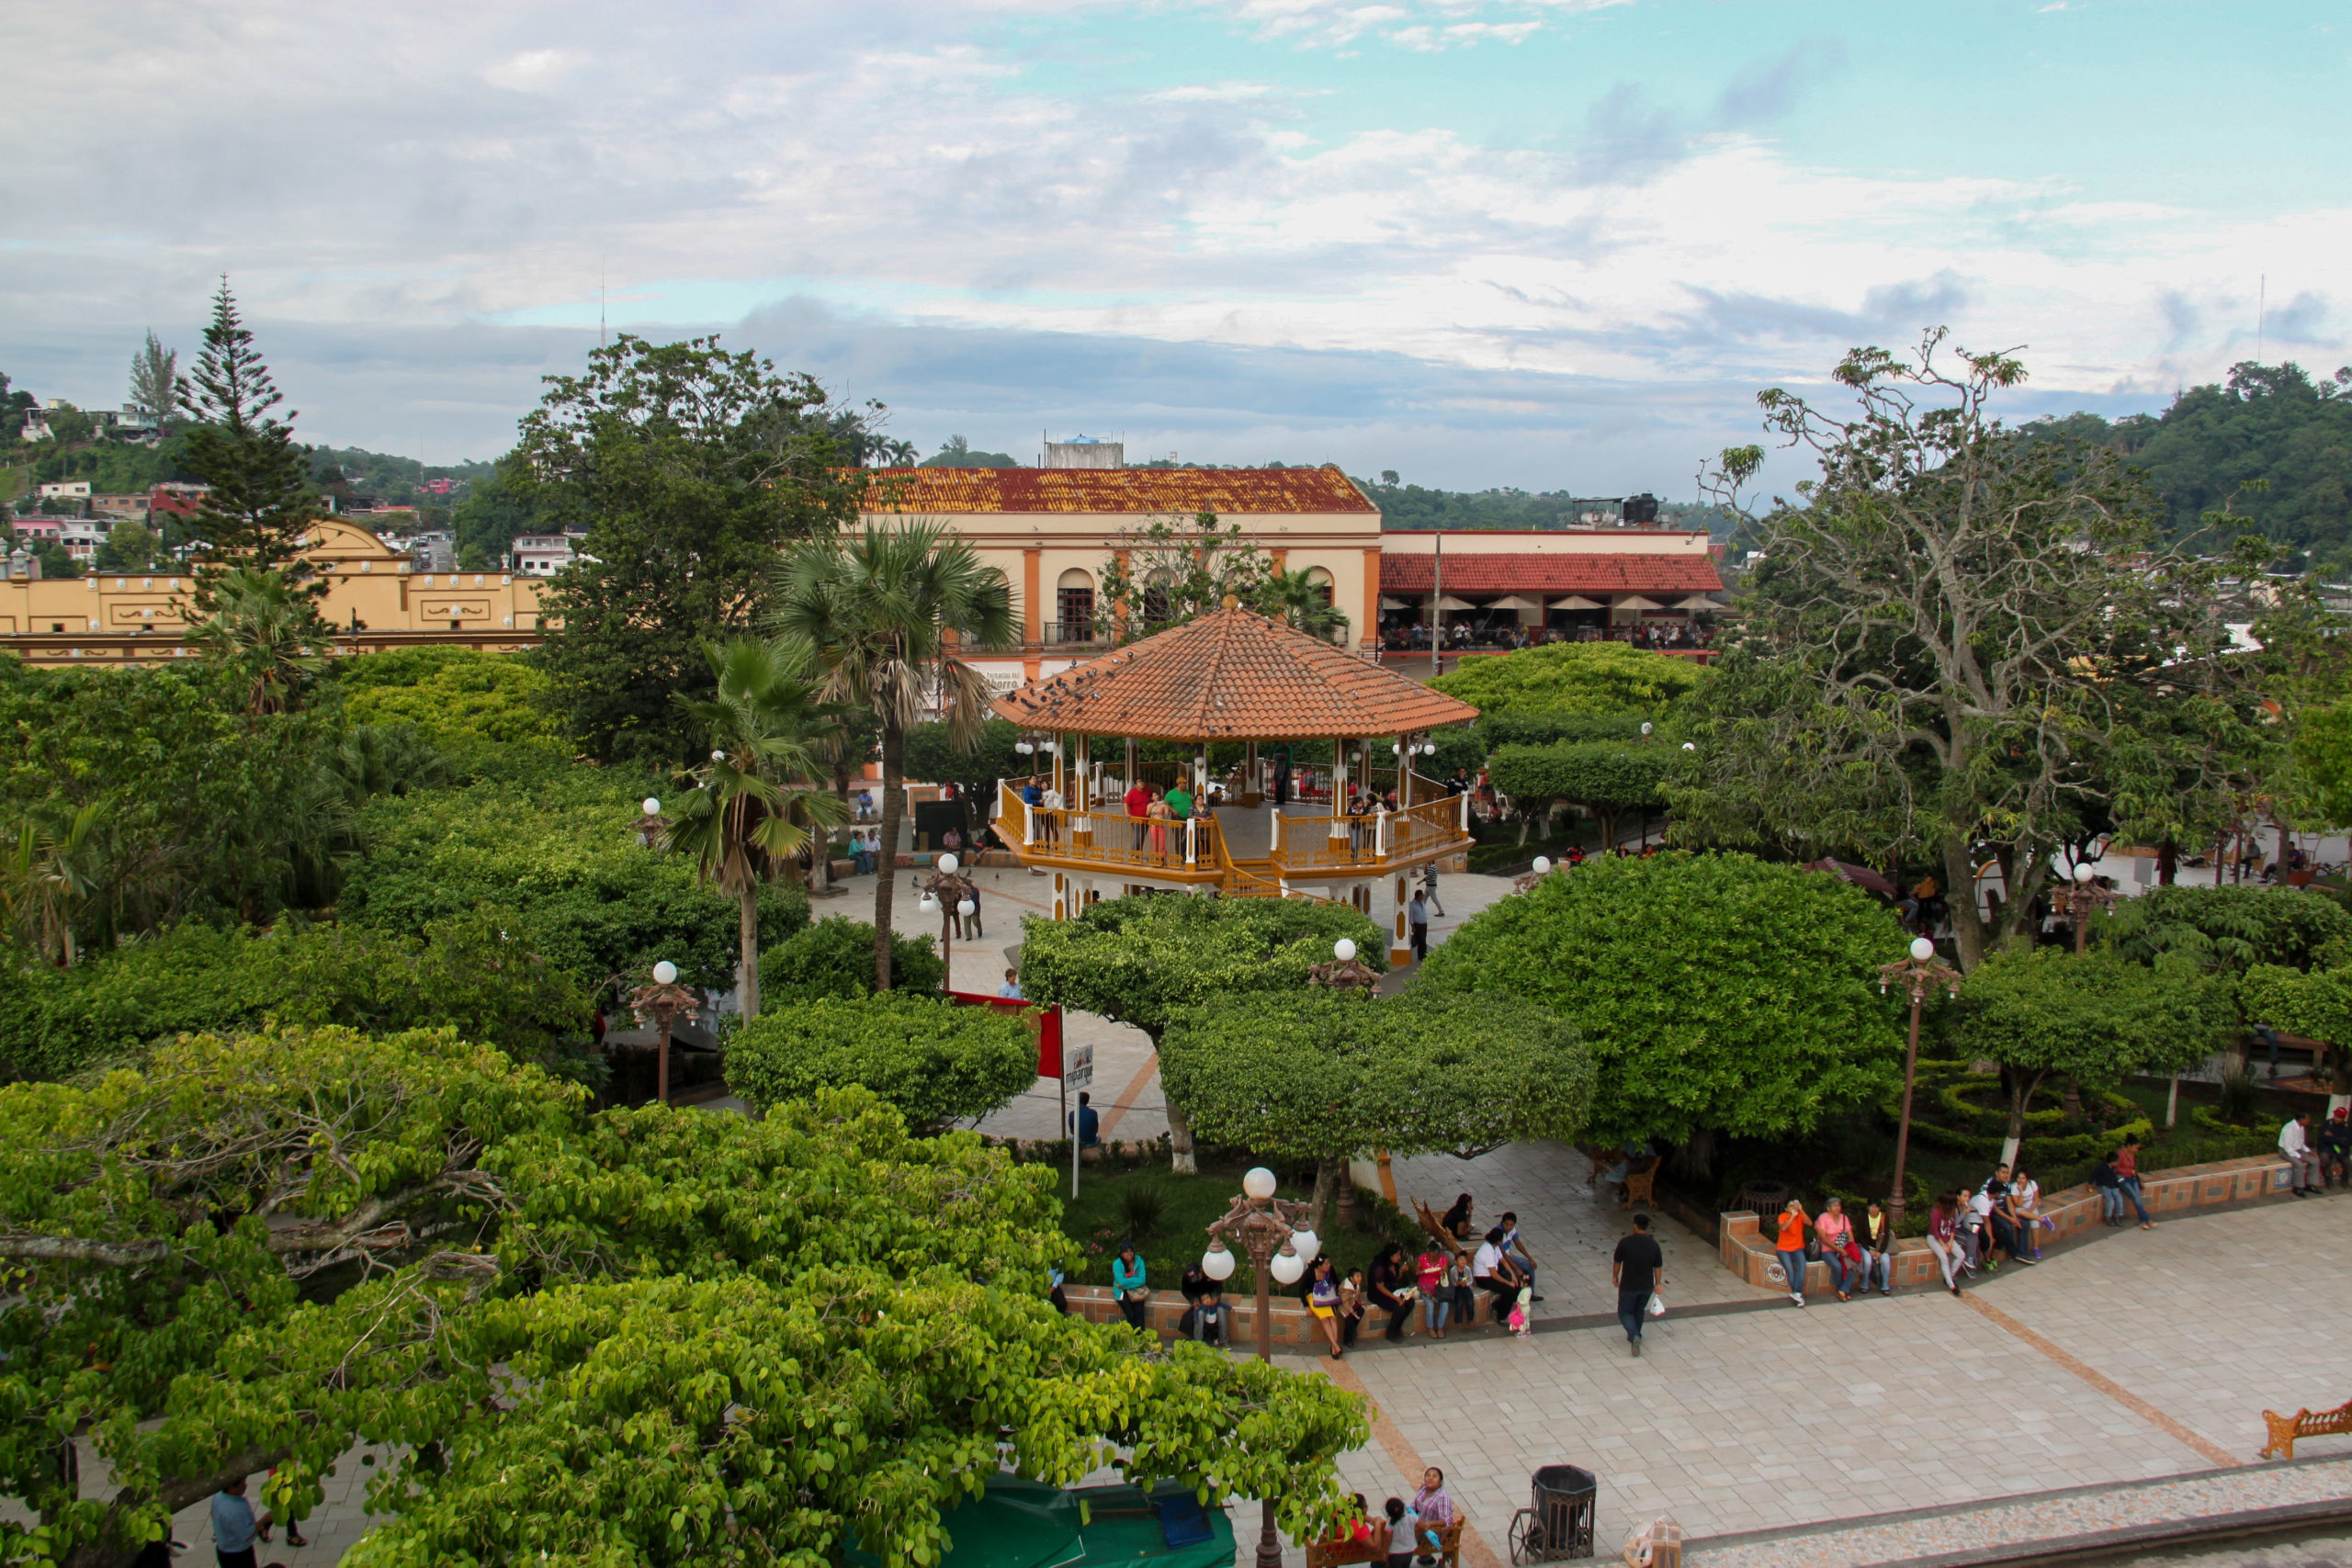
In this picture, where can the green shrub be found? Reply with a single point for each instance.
(835, 958)
(1547, 726)
(1584, 677)
(561, 855)
(489, 712)
(2237, 1099)
(934, 1060)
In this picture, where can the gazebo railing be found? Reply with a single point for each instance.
(1112, 838)
(1370, 843)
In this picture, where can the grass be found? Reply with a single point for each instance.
(1101, 1216)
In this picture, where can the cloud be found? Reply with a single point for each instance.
(1764, 94)
(2306, 320)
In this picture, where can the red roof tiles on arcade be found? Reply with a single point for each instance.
(1231, 675)
(1140, 492)
(1531, 574)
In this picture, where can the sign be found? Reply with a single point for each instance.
(1077, 1065)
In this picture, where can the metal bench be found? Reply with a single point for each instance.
(2285, 1429)
(1331, 1554)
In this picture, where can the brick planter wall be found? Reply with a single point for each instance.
(1747, 1247)
(1294, 1326)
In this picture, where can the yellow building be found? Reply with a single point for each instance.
(127, 617)
(1052, 532)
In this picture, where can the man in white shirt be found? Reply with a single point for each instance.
(2295, 1143)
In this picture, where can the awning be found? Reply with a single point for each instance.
(1388, 603)
(1697, 602)
(1516, 602)
(1577, 602)
(1636, 601)
(1450, 603)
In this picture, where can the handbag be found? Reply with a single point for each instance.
(1812, 1250)
(1138, 1295)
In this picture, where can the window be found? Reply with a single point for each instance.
(1321, 581)
(1073, 606)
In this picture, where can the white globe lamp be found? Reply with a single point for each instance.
(1259, 1183)
(2082, 873)
(652, 807)
(1306, 1244)
(948, 864)
(930, 906)
(1343, 949)
(1216, 1262)
(1288, 1267)
(1646, 727)
(1542, 865)
(719, 756)
(1024, 748)
(1690, 745)
(964, 906)
(665, 973)
(1922, 949)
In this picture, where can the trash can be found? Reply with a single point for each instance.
(1559, 1522)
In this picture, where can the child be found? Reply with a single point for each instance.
(1519, 1323)
(1404, 1532)
(1351, 1306)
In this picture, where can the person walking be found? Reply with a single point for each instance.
(2295, 1146)
(1429, 883)
(1943, 1239)
(1388, 1290)
(1417, 921)
(234, 1528)
(1874, 1235)
(1791, 1249)
(2127, 1173)
(1433, 1277)
(1637, 1269)
(1127, 1286)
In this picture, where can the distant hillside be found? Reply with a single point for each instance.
(1413, 507)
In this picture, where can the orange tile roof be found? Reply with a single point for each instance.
(1497, 572)
(1240, 491)
(1231, 675)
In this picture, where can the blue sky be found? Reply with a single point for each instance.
(1543, 243)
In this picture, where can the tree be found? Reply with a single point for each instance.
(2227, 930)
(154, 381)
(260, 504)
(1574, 676)
(2097, 1019)
(1322, 1075)
(45, 878)
(1606, 778)
(1717, 992)
(1142, 960)
(835, 958)
(937, 1061)
(745, 814)
(689, 467)
(936, 754)
(1292, 598)
(1957, 636)
(958, 452)
(2315, 1004)
(891, 612)
(1169, 571)
(555, 1320)
(129, 547)
(265, 633)
(486, 712)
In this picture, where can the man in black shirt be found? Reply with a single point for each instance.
(1638, 1270)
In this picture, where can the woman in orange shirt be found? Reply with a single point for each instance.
(1791, 1249)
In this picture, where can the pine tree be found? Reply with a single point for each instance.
(261, 503)
(155, 380)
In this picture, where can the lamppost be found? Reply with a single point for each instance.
(1525, 881)
(649, 827)
(945, 894)
(662, 1004)
(1918, 974)
(2083, 899)
(1275, 1231)
(1346, 972)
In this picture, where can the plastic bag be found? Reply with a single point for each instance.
(1658, 1305)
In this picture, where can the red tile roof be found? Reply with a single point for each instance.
(1130, 491)
(1531, 574)
(1231, 675)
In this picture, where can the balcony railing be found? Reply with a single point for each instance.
(1071, 634)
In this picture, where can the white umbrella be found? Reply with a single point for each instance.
(1388, 603)
(1518, 601)
(1451, 603)
(1697, 602)
(1577, 602)
(1636, 601)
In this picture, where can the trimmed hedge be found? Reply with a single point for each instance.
(835, 958)
(1945, 1086)
(934, 1060)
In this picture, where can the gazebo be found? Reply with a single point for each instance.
(1280, 830)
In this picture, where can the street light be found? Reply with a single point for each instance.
(2082, 899)
(1275, 1231)
(662, 1004)
(649, 825)
(944, 894)
(1918, 974)
(1346, 972)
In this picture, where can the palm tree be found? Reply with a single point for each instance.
(268, 630)
(745, 813)
(45, 877)
(1291, 598)
(887, 610)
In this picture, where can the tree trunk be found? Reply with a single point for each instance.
(1326, 1188)
(2172, 1103)
(2021, 1085)
(1180, 1130)
(1960, 896)
(894, 751)
(747, 984)
(2167, 862)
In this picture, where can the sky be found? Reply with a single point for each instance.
(1558, 244)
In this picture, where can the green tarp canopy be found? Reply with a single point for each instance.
(1023, 1524)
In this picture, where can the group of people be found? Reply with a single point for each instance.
(1405, 1531)
(1512, 634)
(2321, 1160)
(1858, 1248)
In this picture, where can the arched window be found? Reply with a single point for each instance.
(1073, 607)
(1321, 581)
